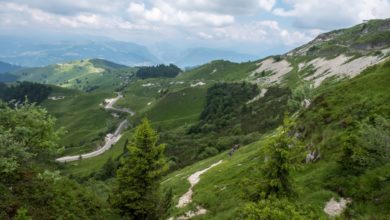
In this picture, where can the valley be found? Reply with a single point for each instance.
(300, 135)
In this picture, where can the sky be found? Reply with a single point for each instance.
(248, 26)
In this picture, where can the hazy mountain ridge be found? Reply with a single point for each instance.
(6, 67)
(30, 54)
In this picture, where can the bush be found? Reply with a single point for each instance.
(208, 152)
(274, 209)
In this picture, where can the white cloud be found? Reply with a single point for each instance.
(333, 13)
(12, 15)
(267, 4)
(205, 36)
(259, 32)
(165, 13)
(231, 7)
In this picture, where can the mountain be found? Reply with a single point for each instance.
(197, 56)
(86, 75)
(28, 52)
(6, 67)
(365, 38)
(301, 135)
(38, 52)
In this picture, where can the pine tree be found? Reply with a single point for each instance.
(136, 194)
(283, 151)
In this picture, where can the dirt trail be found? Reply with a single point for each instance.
(187, 197)
(259, 96)
(110, 139)
(193, 179)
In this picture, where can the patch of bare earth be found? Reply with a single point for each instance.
(334, 208)
(278, 68)
(341, 66)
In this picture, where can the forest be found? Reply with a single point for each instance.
(21, 91)
(167, 71)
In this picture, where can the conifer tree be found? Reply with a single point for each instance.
(283, 151)
(136, 195)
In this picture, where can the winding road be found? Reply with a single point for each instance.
(110, 139)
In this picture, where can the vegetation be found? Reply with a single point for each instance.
(85, 75)
(223, 102)
(161, 70)
(7, 77)
(80, 114)
(136, 194)
(33, 92)
(27, 189)
(205, 115)
(220, 70)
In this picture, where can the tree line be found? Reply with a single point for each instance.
(167, 71)
(34, 92)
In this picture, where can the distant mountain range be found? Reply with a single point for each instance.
(26, 53)
(38, 52)
(197, 56)
(6, 67)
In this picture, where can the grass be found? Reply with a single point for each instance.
(84, 75)
(178, 108)
(81, 116)
(219, 189)
(86, 167)
(220, 71)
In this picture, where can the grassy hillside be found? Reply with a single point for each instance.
(84, 121)
(86, 75)
(359, 39)
(220, 71)
(322, 125)
(178, 108)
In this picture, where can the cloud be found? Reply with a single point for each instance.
(14, 15)
(232, 7)
(332, 14)
(66, 7)
(164, 13)
(259, 32)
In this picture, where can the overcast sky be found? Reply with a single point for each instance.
(251, 26)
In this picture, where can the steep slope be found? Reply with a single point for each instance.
(333, 55)
(336, 54)
(322, 128)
